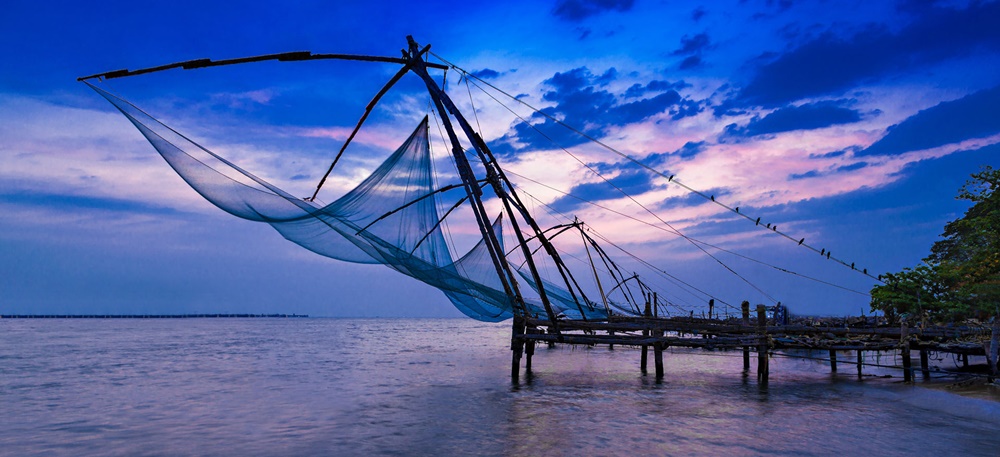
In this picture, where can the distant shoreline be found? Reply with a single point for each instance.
(142, 316)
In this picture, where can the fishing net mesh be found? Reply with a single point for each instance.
(390, 218)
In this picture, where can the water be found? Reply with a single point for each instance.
(435, 387)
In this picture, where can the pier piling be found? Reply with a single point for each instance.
(517, 348)
(746, 323)
(529, 350)
(904, 343)
(994, 349)
(645, 348)
(762, 348)
(658, 360)
(861, 362)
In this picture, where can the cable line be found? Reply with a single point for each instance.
(675, 280)
(668, 177)
(673, 232)
(620, 190)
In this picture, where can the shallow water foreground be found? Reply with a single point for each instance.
(435, 387)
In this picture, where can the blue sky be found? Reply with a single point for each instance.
(849, 124)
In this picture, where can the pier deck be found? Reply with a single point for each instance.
(759, 336)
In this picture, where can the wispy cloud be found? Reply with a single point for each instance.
(972, 116)
(579, 97)
(802, 117)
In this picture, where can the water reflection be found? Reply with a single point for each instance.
(435, 387)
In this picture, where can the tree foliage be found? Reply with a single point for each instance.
(915, 292)
(961, 277)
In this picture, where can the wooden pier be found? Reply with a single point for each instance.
(759, 335)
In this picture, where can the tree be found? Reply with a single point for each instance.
(915, 292)
(961, 276)
(969, 253)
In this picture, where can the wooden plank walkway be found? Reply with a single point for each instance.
(759, 336)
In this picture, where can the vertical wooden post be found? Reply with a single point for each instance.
(904, 343)
(656, 305)
(711, 307)
(517, 348)
(833, 361)
(645, 347)
(658, 358)
(645, 355)
(529, 350)
(861, 362)
(907, 364)
(994, 352)
(762, 348)
(965, 360)
(925, 370)
(746, 323)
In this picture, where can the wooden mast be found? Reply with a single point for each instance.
(445, 106)
(469, 181)
(597, 279)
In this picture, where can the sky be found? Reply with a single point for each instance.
(848, 125)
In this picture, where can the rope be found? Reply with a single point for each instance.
(473, 103)
(673, 232)
(553, 212)
(620, 190)
(667, 176)
(446, 229)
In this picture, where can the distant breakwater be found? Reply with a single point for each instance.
(140, 316)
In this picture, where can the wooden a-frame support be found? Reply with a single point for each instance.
(512, 206)
(413, 61)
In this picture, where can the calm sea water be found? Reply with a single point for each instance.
(435, 387)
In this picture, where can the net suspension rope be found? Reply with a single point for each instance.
(630, 197)
(670, 177)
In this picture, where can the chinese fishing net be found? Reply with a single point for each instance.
(356, 227)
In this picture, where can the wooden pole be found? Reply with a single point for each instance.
(444, 105)
(994, 348)
(762, 348)
(861, 362)
(907, 364)
(925, 370)
(833, 361)
(904, 343)
(746, 349)
(593, 268)
(658, 359)
(645, 347)
(517, 348)
(645, 355)
(529, 351)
